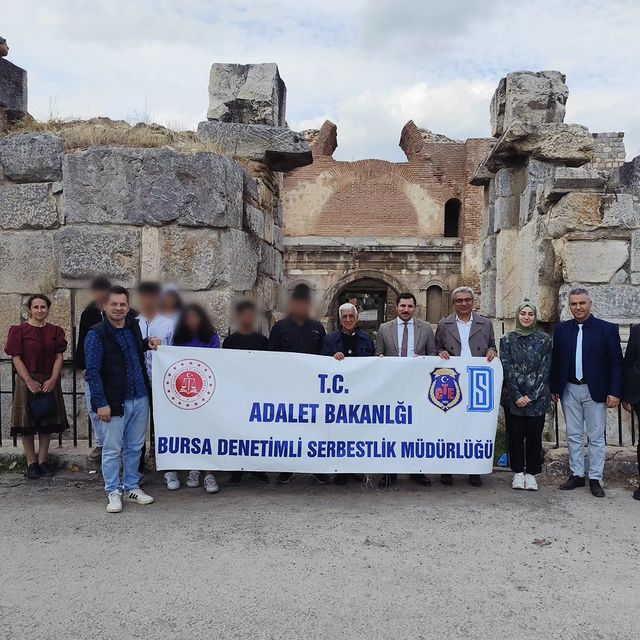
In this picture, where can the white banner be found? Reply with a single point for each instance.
(220, 409)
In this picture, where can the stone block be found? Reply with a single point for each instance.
(526, 96)
(593, 261)
(635, 251)
(267, 264)
(254, 221)
(269, 228)
(117, 185)
(610, 301)
(83, 252)
(489, 253)
(504, 183)
(150, 253)
(247, 93)
(575, 212)
(569, 144)
(269, 294)
(508, 292)
(27, 262)
(507, 213)
(10, 307)
(31, 157)
(567, 179)
(13, 89)
(219, 305)
(278, 148)
(193, 260)
(618, 211)
(488, 292)
(629, 175)
(278, 238)
(27, 206)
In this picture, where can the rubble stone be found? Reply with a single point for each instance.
(13, 89)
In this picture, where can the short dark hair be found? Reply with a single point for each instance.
(117, 290)
(3, 40)
(301, 292)
(405, 296)
(245, 305)
(100, 283)
(149, 288)
(38, 296)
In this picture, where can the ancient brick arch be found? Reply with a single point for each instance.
(368, 195)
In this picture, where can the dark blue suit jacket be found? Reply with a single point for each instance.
(332, 344)
(601, 357)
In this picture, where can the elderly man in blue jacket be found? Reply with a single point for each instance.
(586, 376)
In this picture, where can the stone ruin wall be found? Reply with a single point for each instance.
(209, 222)
(562, 209)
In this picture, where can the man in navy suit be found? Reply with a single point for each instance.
(586, 376)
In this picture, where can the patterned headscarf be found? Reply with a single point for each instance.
(526, 331)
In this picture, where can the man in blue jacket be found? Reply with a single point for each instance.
(586, 376)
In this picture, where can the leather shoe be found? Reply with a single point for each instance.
(446, 479)
(475, 480)
(421, 479)
(596, 488)
(636, 494)
(572, 483)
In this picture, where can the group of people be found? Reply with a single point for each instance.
(582, 368)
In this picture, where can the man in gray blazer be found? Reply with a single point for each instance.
(405, 337)
(465, 333)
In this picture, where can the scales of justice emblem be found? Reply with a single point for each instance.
(189, 383)
(444, 391)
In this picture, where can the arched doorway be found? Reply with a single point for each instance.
(374, 297)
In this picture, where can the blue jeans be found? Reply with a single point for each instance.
(93, 416)
(124, 434)
(582, 413)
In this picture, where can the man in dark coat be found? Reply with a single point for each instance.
(586, 376)
(631, 389)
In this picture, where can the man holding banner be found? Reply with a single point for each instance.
(405, 337)
(464, 333)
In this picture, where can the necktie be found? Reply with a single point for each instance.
(405, 341)
(579, 372)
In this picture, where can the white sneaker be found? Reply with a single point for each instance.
(518, 481)
(530, 483)
(115, 502)
(139, 496)
(171, 480)
(193, 480)
(210, 484)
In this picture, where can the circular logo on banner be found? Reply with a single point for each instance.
(189, 383)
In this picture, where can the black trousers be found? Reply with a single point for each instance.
(637, 408)
(524, 442)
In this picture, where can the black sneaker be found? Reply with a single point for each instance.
(321, 478)
(446, 479)
(475, 480)
(236, 478)
(572, 483)
(596, 488)
(46, 471)
(421, 479)
(341, 479)
(33, 471)
(284, 477)
(261, 477)
(636, 494)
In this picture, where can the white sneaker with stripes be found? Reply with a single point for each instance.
(139, 496)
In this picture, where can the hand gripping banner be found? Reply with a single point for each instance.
(220, 409)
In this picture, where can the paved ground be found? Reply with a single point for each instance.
(309, 562)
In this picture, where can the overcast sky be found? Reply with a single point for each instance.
(368, 65)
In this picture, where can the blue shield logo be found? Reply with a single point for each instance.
(444, 391)
(480, 389)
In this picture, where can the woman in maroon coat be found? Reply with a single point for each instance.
(37, 349)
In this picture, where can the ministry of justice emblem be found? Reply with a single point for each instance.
(444, 391)
(189, 383)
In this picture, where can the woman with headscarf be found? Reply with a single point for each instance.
(526, 397)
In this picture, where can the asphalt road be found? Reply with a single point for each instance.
(307, 561)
